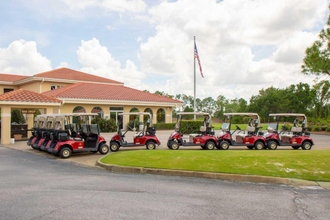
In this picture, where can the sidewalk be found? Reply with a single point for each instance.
(88, 159)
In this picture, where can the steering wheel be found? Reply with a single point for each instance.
(238, 128)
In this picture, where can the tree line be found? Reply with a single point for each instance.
(299, 98)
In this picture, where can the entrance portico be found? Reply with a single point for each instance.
(23, 99)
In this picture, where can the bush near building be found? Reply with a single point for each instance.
(106, 125)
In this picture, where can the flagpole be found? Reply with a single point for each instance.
(194, 80)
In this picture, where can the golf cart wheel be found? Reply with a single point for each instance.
(209, 145)
(169, 145)
(259, 145)
(306, 145)
(104, 149)
(295, 147)
(174, 145)
(272, 145)
(65, 152)
(250, 147)
(114, 146)
(224, 145)
(151, 145)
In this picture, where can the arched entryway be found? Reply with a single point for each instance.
(161, 115)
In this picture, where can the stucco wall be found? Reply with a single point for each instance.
(2, 87)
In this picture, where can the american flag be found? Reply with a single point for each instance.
(199, 62)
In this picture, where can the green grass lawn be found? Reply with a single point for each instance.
(264, 126)
(308, 165)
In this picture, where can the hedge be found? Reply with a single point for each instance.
(187, 126)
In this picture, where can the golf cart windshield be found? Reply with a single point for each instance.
(225, 127)
(272, 127)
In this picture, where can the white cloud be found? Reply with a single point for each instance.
(124, 5)
(22, 57)
(97, 60)
(226, 32)
(244, 45)
(292, 50)
(80, 4)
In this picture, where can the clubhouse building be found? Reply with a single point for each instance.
(65, 90)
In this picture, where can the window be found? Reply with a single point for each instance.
(52, 87)
(7, 90)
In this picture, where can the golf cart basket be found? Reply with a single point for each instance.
(150, 130)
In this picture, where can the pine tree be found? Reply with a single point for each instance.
(317, 60)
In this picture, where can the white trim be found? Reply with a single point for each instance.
(6, 115)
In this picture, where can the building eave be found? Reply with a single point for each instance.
(118, 102)
(17, 103)
(45, 79)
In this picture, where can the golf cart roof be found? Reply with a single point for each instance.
(193, 113)
(288, 114)
(242, 114)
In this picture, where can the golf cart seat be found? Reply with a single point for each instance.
(202, 129)
(294, 130)
(138, 134)
(249, 129)
(151, 131)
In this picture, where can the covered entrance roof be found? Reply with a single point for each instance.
(26, 96)
(20, 99)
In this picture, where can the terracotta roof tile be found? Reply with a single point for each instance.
(106, 92)
(69, 74)
(11, 77)
(22, 95)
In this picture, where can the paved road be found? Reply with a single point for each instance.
(35, 186)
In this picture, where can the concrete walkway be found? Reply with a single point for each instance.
(88, 159)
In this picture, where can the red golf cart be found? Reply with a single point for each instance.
(66, 141)
(34, 131)
(205, 138)
(295, 137)
(49, 126)
(39, 131)
(251, 137)
(145, 136)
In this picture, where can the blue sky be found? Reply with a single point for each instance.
(244, 45)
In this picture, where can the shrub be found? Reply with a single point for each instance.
(187, 126)
(327, 129)
(316, 128)
(106, 125)
(164, 126)
(17, 116)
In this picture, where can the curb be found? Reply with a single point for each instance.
(220, 176)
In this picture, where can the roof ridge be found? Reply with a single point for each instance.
(76, 75)
(99, 91)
